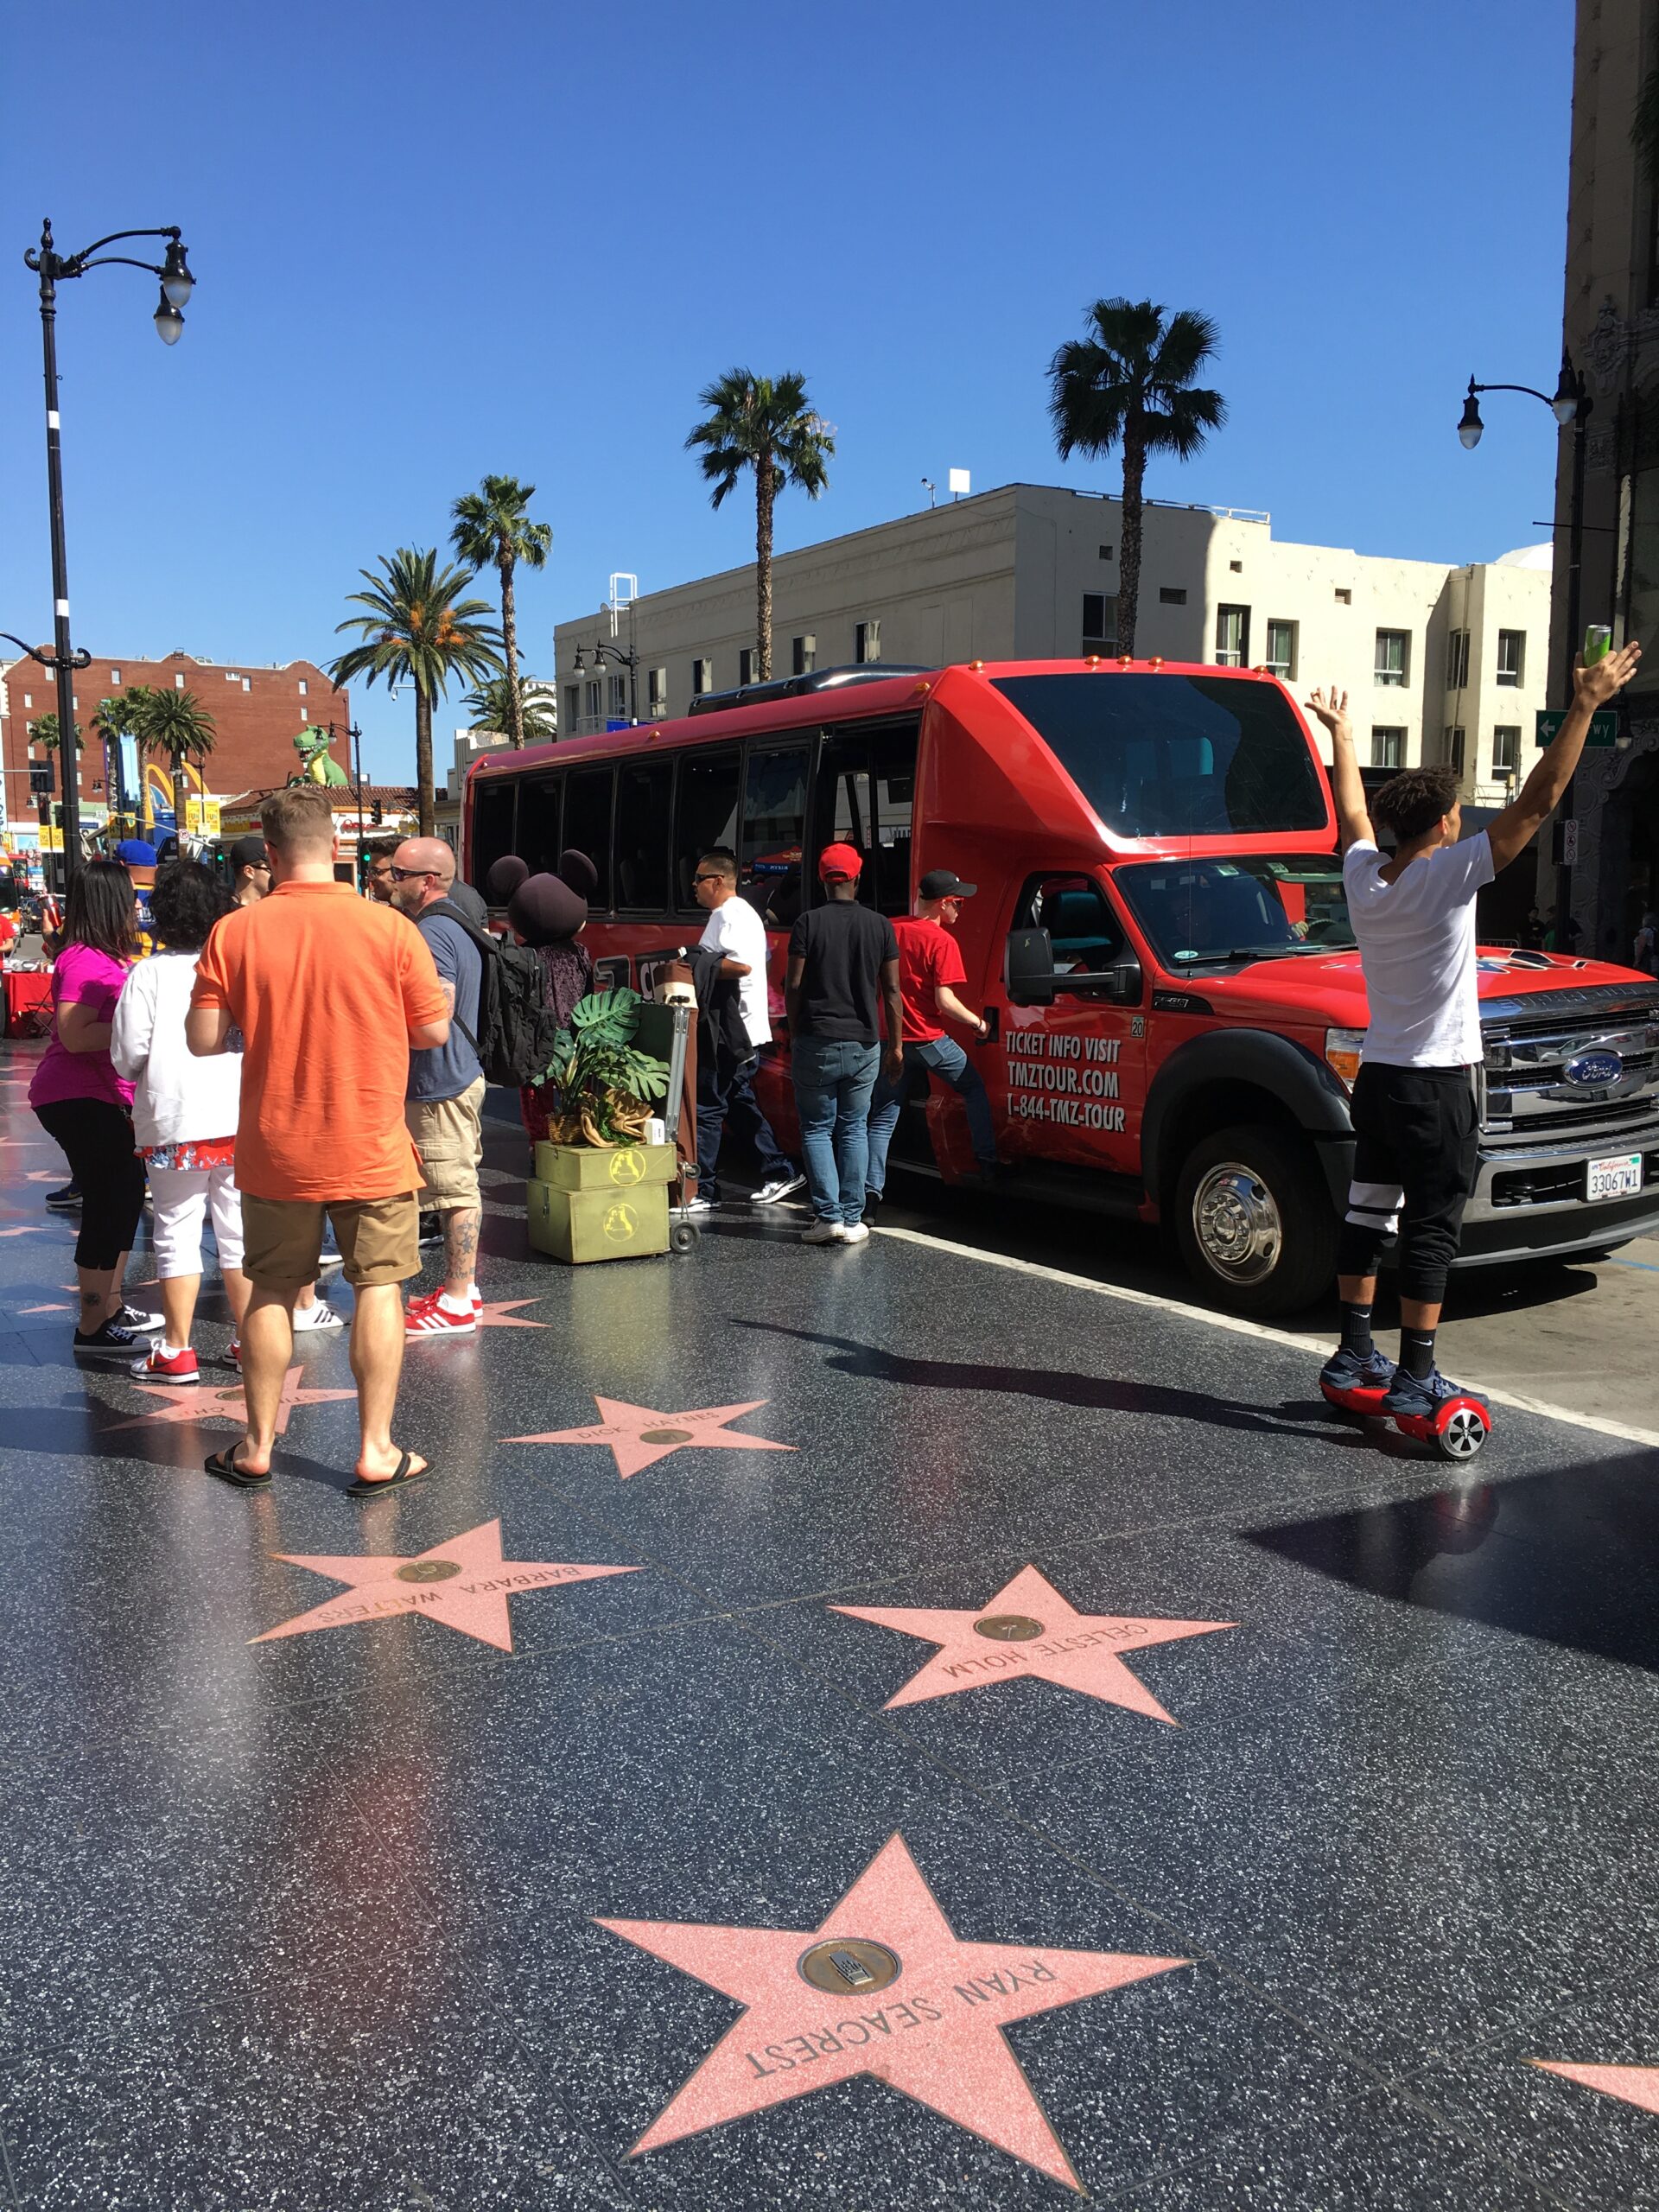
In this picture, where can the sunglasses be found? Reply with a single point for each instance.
(708, 879)
(411, 874)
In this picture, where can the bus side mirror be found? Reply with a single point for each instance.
(1124, 982)
(1028, 967)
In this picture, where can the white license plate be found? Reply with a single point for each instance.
(1620, 1177)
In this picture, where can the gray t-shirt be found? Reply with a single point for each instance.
(448, 1070)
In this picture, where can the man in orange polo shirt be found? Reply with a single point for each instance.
(328, 992)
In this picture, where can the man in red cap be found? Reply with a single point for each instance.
(843, 964)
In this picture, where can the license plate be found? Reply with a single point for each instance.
(1620, 1177)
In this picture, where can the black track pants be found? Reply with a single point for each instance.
(97, 1136)
(1417, 1133)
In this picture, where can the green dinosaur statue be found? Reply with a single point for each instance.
(316, 764)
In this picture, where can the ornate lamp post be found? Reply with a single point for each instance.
(55, 268)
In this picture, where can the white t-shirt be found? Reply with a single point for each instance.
(1416, 940)
(735, 931)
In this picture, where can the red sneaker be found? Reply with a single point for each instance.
(433, 1319)
(160, 1365)
(234, 1354)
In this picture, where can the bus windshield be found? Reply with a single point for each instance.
(1159, 756)
(1267, 906)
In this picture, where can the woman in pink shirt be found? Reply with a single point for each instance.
(80, 1101)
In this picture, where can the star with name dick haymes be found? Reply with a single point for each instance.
(883, 1985)
(463, 1583)
(1027, 1628)
(639, 1437)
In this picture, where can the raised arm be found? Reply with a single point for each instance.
(1353, 815)
(1539, 796)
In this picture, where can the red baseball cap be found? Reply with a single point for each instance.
(840, 861)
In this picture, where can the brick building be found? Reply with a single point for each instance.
(256, 712)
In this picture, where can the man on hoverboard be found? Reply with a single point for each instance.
(1415, 1112)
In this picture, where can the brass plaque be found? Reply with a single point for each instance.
(1008, 1628)
(426, 1570)
(665, 1436)
(848, 1966)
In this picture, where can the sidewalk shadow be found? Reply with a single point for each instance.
(69, 1431)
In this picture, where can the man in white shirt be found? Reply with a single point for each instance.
(725, 1098)
(1416, 1120)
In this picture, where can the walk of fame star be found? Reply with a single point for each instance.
(884, 1985)
(1029, 1629)
(1638, 2085)
(639, 1437)
(38, 1230)
(503, 1314)
(224, 1406)
(462, 1584)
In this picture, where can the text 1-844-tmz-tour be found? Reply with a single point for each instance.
(1159, 943)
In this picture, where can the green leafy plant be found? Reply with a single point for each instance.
(606, 1085)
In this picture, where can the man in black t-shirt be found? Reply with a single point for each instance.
(843, 969)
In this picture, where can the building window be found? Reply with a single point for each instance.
(1232, 636)
(1281, 651)
(115, 678)
(1344, 598)
(28, 701)
(1388, 749)
(1506, 749)
(657, 693)
(866, 640)
(1169, 595)
(572, 707)
(1108, 552)
(616, 704)
(1452, 750)
(745, 664)
(590, 702)
(702, 677)
(178, 683)
(1457, 659)
(1393, 656)
(1236, 567)
(1512, 657)
(247, 684)
(1099, 621)
(302, 686)
(804, 655)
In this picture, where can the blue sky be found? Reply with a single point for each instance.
(432, 242)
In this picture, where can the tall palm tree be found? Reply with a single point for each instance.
(418, 630)
(45, 731)
(176, 724)
(1130, 381)
(491, 525)
(763, 423)
(493, 704)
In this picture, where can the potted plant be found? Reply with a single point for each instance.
(606, 1085)
(600, 1191)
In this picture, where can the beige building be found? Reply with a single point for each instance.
(1440, 664)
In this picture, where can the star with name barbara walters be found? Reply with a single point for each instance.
(639, 1437)
(191, 1403)
(1027, 1628)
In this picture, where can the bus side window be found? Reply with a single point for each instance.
(541, 809)
(493, 826)
(705, 815)
(774, 823)
(643, 801)
(588, 825)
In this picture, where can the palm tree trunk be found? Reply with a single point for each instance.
(1128, 567)
(766, 492)
(510, 642)
(423, 764)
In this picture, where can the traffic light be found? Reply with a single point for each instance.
(377, 813)
(40, 779)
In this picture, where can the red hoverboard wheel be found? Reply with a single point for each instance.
(1365, 1403)
(1457, 1431)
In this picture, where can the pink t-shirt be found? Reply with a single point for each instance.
(81, 973)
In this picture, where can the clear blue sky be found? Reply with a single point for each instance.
(434, 241)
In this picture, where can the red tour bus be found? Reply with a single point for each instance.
(1159, 941)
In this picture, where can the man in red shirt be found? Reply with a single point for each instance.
(930, 968)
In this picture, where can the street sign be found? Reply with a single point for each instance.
(1604, 727)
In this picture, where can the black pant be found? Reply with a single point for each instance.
(726, 1100)
(96, 1135)
(1418, 1132)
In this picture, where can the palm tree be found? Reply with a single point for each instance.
(1131, 381)
(763, 423)
(491, 524)
(46, 731)
(177, 723)
(418, 630)
(119, 717)
(492, 705)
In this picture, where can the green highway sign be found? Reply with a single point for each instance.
(1604, 727)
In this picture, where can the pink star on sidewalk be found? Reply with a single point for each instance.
(1029, 1629)
(37, 1229)
(225, 1406)
(503, 1314)
(639, 1437)
(883, 1985)
(1638, 2085)
(463, 1584)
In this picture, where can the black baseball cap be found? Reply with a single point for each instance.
(249, 852)
(944, 883)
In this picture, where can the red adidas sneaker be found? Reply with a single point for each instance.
(430, 1318)
(160, 1365)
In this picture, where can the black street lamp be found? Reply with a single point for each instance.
(1570, 402)
(604, 651)
(53, 268)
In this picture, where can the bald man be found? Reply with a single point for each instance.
(446, 1089)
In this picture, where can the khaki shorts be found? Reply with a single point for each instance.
(448, 1134)
(379, 1240)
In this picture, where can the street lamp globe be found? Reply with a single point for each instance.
(1470, 426)
(169, 323)
(176, 281)
(1565, 405)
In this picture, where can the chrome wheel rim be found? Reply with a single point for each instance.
(1463, 1435)
(1236, 1222)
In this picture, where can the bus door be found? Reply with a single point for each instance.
(1071, 1002)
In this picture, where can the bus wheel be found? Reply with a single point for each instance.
(1255, 1221)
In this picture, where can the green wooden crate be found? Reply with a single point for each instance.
(591, 1167)
(582, 1226)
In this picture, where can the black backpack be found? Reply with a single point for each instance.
(517, 1027)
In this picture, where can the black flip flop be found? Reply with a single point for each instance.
(224, 1465)
(399, 1478)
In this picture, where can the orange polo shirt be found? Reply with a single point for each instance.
(325, 988)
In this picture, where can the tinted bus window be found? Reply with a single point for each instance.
(705, 813)
(588, 824)
(493, 826)
(865, 797)
(644, 792)
(540, 807)
(1176, 755)
(774, 823)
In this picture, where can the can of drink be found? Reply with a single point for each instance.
(1598, 643)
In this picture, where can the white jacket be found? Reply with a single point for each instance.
(176, 1094)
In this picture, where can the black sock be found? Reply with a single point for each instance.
(1357, 1330)
(1417, 1353)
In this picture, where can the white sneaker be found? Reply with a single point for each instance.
(319, 1316)
(698, 1205)
(824, 1232)
(782, 1186)
(855, 1233)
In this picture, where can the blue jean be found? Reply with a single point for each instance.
(726, 1100)
(945, 1057)
(833, 1082)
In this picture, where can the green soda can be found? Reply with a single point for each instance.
(1598, 643)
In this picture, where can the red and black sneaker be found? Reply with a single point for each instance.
(161, 1365)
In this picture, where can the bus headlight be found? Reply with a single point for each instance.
(1342, 1048)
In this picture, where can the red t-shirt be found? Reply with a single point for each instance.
(928, 956)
